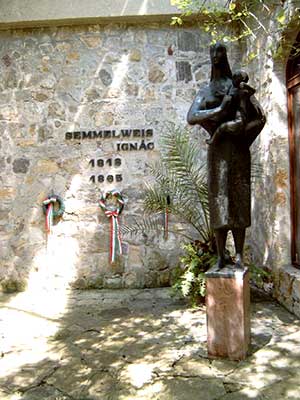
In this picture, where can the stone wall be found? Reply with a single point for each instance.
(270, 230)
(58, 84)
(269, 238)
(61, 88)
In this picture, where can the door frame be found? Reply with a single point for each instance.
(292, 82)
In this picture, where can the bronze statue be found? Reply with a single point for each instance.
(228, 111)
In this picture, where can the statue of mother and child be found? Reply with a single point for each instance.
(229, 112)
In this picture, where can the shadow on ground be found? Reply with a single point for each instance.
(141, 344)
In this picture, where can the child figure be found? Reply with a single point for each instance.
(240, 93)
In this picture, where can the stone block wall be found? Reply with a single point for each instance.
(61, 88)
(269, 237)
(68, 95)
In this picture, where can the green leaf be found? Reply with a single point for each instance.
(176, 20)
(281, 17)
(232, 6)
(252, 56)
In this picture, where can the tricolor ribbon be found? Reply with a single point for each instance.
(166, 218)
(49, 214)
(166, 223)
(115, 237)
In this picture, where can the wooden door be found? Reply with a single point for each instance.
(293, 85)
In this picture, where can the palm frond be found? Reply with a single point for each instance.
(180, 186)
(181, 158)
(143, 225)
(181, 179)
(149, 224)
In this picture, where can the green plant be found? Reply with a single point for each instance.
(181, 178)
(235, 20)
(258, 275)
(190, 274)
(180, 187)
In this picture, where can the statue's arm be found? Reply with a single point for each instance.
(233, 127)
(196, 115)
(249, 89)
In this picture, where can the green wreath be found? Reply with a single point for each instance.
(53, 199)
(114, 193)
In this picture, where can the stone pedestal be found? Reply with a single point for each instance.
(228, 313)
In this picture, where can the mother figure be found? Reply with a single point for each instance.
(228, 157)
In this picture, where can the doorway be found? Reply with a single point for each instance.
(293, 89)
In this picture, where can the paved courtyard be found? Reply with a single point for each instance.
(137, 344)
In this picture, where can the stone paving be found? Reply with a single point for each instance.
(137, 344)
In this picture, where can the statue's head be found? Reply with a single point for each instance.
(238, 77)
(218, 53)
(219, 61)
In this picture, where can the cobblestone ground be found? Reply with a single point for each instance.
(137, 344)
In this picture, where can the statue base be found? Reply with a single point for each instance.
(228, 312)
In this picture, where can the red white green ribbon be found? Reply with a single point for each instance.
(166, 223)
(48, 203)
(115, 237)
(166, 218)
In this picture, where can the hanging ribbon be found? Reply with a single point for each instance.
(166, 218)
(49, 218)
(50, 213)
(166, 223)
(115, 238)
(113, 214)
